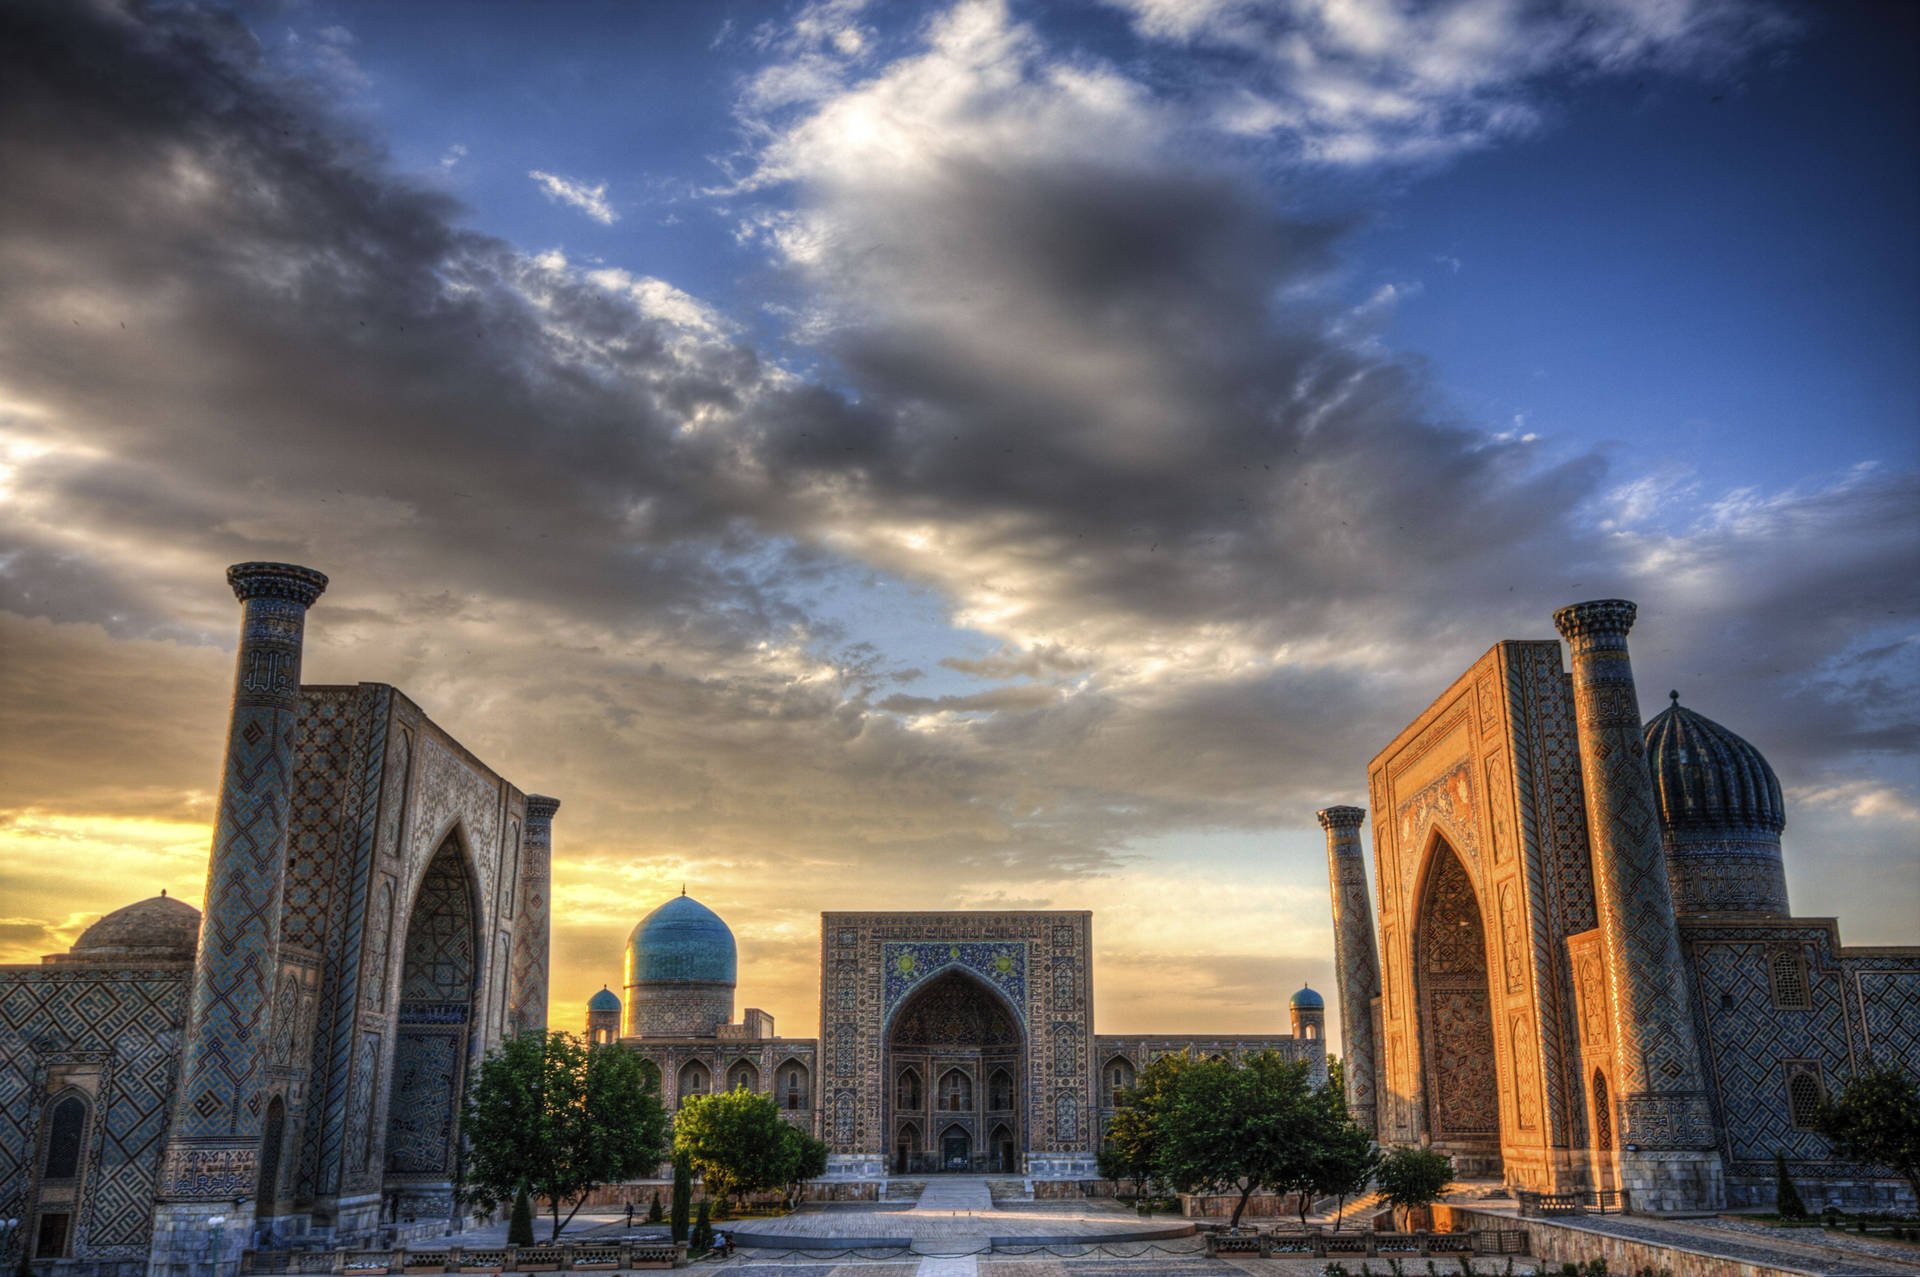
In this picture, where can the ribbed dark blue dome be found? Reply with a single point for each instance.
(605, 1000)
(681, 942)
(1307, 1000)
(1708, 781)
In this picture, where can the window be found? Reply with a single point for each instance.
(1119, 1078)
(906, 1094)
(1310, 1031)
(1602, 1114)
(956, 1092)
(795, 1085)
(1000, 1091)
(693, 1081)
(1789, 974)
(50, 1241)
(66, 1133)
(1804, 1093)
(744, 1078)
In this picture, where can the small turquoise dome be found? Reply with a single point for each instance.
(605, 1000)
(681, 942)
(1307, 1000)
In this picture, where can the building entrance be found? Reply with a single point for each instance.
(955, 1061)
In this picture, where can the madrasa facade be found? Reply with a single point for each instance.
(175, 1088)
(950, 1041)
(1586, 975)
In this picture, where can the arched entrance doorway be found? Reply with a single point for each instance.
(438, 976)
(273, 1135)
(1456, 1019)
(961, 1037)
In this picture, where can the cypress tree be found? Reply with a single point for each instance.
(682, 1195)
(520, 1226)
(702, 1229)
(1786, 1198)
(654, 1213)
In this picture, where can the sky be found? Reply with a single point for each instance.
(962, 455)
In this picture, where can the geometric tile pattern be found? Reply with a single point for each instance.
(438, 980)
(1357, 967)
(527, 1008)
(223, 1069)
(1662, 1098)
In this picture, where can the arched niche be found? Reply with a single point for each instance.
(1454, 1003)
(956, 1033)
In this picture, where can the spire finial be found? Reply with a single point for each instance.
(1674, 697)
(683, 888)
(163, 893)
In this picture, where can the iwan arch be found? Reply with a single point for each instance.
(1586, 974)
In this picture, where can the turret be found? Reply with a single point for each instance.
(1356, 963)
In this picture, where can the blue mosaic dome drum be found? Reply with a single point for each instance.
(1307, 1000)
(681, 967)
(605, 1000)
(1720, 816)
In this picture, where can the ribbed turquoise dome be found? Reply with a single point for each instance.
(605, 1000)
(681, 942)
(1307, 1000)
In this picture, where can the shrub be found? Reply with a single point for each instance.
(702, 1238)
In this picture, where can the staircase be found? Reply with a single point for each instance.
(1356, 1209)
(904, 1190)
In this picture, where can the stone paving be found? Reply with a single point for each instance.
(1703, 1235)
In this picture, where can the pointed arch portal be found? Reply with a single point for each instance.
(1456, 1017)
(960, 1033)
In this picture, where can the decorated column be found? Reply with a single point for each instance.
(213, 1142)
(1356, 965)
(527, 1010)
(1664, 1126)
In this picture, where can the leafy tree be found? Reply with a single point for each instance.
(1234, 1129)
(682, 1195)
(1413, 1177)
(735, 1140)
(654, 1213)
(702, 1238)
(1876, 1119)
(559, 1117)
(520, 1227)
(1132, 1147)
(1344, 1159)
(1786, 1198)
(802, 1158)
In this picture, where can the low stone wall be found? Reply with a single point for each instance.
(1559, 1241)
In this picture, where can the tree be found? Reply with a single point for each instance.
(1876, 1119)
(802, 1158)
(682, 1195)
(1234, 1128)
(1786, 1198)
(654, 1214)
(736, 1141)
(520, 1227)
(1414, 1177)
(552, 1114)
(1344, 1158)
(702, 1238)
(1132, 1146)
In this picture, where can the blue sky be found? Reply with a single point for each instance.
(962, 454)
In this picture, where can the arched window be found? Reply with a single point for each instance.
(1119, 1078)
(1602, 1114)
(1000, 1091)
(693, 1080)
(1310, 1031)
(906, 1093)
(66, 1136)
(1789, 981)
(1804, 1094)
(793, 1087)
(956, 1092)
(744, 1077)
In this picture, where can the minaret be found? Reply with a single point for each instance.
(213, 1141)
(1356, 965)
(1665, 1133)
(527, 1010)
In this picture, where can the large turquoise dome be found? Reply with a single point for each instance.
(681, 942)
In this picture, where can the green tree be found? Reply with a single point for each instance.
(1132, 1146)
(682, 1195)
(802, 1158)
(654, 1213)
(735, 1140)
(1234, 1129)
(1876, 1119)
(1414, 1177)
(702, 1238)
(1786, 1198)
(520, 1226)
(552, 1114)
(1343, 1158)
